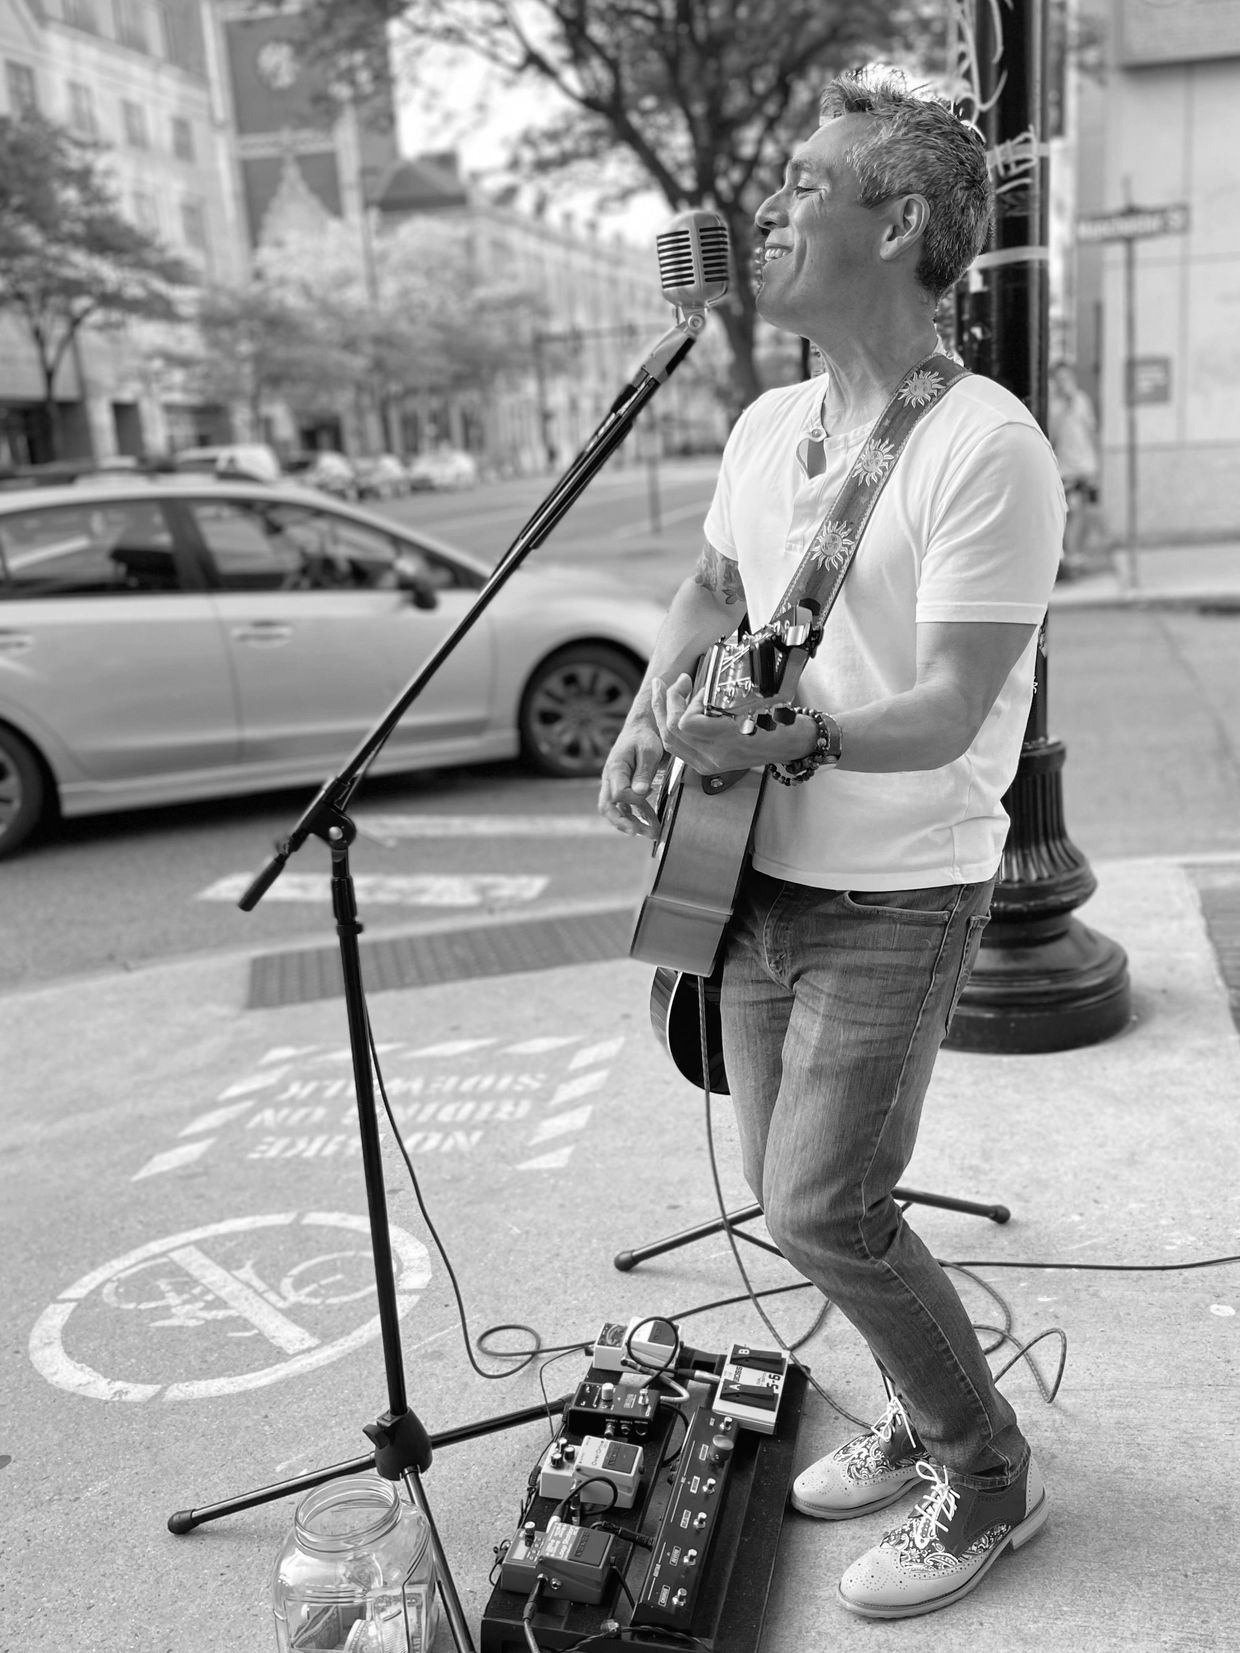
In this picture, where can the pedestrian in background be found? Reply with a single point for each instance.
(1073, 430)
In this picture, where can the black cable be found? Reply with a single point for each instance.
(639, 1361)
(527, 1617)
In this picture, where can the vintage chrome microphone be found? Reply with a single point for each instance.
(694, 261)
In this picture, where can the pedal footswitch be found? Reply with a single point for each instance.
(751, 1387)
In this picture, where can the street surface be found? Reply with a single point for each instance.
(1144, 701)
(189, 1292)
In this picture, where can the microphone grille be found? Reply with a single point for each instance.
(694, 258)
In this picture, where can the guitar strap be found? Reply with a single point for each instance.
(821, 572)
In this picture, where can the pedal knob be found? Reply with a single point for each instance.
(721, 1449)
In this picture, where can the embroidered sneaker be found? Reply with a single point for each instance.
(867, 1473)
(948, 1544)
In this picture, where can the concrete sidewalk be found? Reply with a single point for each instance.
(1188, 574)
(1120, 1156)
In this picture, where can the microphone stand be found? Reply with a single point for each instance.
(403, 1448)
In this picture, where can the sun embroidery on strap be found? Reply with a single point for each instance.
(921, 387)
(875, 460)
(832, 544)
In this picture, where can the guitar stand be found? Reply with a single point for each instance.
(625, 1260)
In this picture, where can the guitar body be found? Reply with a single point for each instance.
(676, 1016)
(706, 823)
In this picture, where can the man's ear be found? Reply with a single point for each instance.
(908, 217)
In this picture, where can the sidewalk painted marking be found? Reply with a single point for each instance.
(561, 1125)
(215, 1119)
(573, 1088)
(244, 1301)
(207, 1282)
(174, 1158)
(254, 1082)
(554, 1161)
(596, 1053)
(390, 890)
(452, 1096)
(394, 827)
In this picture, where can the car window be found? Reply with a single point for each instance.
(117, 548)
(441, 573)
(261, 545)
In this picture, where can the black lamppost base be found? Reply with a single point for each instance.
(1043, 980)
(1041, 991)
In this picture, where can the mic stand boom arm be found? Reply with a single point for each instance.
(402, 1446)
(333, 797)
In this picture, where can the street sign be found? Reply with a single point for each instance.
(1147, 379)
(1134, 223)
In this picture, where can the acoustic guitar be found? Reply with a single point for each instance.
(677, 1016)
(706, 821)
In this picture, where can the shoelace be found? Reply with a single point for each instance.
(933, 1514)
(895, 1413)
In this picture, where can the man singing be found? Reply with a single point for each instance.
(861, 911)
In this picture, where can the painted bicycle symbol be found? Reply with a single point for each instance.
(181, 1298)
(246, 1284)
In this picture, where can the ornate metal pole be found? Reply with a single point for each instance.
(1043, 981)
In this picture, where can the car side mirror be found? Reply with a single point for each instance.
(421, 592)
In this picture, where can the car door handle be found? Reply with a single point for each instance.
(15, 642)
(262, 631)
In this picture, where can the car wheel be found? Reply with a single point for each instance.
(574, 707)
(23, 791)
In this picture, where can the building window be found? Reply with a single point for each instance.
(131, 25)
(182, 138)
(194, 225)
(82, 119)
(82, 14)
(136, 133)
(145, 212)
(23, 95)
(183, 43)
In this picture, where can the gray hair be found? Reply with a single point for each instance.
(917, 145)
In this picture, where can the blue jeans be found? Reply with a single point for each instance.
(834, 1005)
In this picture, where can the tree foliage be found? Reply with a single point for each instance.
(701, 98)
(68, 255)
(260, 345)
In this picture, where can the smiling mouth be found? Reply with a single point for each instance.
(764, 256)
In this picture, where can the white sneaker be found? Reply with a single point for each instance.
(947, 1545)
(867, 1473)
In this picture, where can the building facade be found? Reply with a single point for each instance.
(135, 75)
(218, 137)
(1156, 269)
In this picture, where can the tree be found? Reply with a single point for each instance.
(68, 256)
(702, 98)
(420, 318)
(259, 344)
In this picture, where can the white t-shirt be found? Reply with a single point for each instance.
(968, 527)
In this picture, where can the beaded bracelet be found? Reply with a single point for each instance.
(827, 750)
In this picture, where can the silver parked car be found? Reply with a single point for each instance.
(188, 637)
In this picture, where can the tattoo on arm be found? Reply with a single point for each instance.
(719, 574)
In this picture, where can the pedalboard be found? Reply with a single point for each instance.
(690, 1551)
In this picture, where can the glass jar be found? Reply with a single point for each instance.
(356, 1574)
